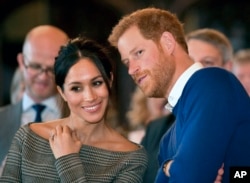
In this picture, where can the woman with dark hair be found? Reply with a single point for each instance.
(81, 147)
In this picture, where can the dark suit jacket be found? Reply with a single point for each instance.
(151, 141)
(10, 121)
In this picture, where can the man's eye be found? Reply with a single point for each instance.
(125, 62)
(34, 66)
(208, 64)
(138, 53)
(50, 69)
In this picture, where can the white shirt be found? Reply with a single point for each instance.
(178, 87)
(136, 135)
(51, 112)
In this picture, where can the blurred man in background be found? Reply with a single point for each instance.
(40, 101)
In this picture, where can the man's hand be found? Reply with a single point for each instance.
(219, 175)
(166, 168)
(218, 179)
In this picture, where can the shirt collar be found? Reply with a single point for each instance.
(178, 87)
(51, 103)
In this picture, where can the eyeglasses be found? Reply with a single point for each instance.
(37, 69)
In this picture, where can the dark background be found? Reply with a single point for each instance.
(95, 18)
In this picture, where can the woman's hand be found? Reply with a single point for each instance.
(63, 141)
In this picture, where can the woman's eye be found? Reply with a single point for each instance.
(75, 88)
(98, 83)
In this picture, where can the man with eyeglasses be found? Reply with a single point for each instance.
(36, 62)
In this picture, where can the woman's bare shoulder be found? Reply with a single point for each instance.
(44, 129)
(121, 143)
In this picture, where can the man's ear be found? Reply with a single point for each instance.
(61, 93)
(20, 60)
(228, 65)
(168, 42)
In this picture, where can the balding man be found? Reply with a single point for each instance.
(40, 99)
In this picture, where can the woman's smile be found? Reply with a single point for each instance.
(92, 108)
